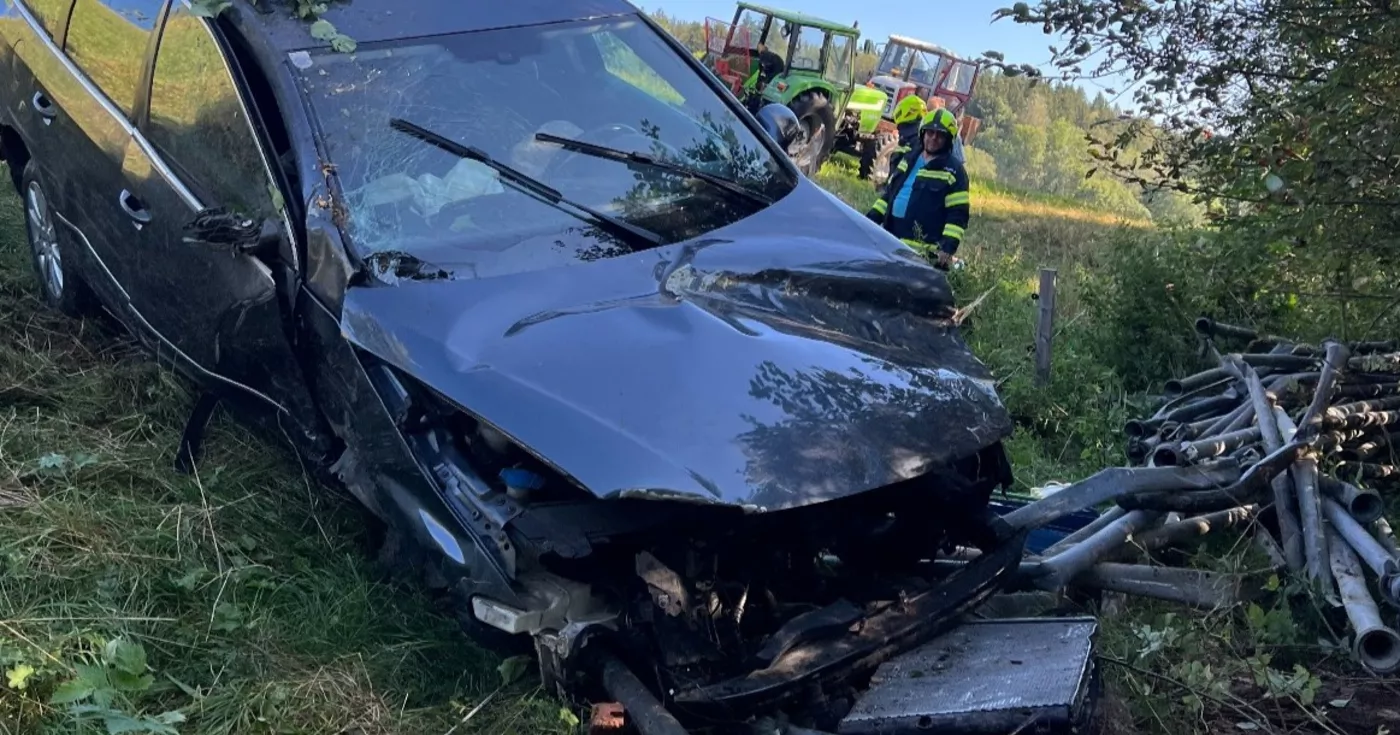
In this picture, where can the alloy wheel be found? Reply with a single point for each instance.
(43, 239)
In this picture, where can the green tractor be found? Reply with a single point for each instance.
(807, 65)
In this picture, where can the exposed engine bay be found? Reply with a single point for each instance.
(726, 609)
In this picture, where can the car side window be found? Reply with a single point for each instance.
(198, 123)
(107, 39)
(52, 14)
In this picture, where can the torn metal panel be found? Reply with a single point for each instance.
(328, 266)
(771, 373)
(667, 589)
(828, 622)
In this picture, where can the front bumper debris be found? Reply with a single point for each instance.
(989, 676)
(873, 640)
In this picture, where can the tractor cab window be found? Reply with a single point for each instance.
(748, 31)
(612, 83)
(838, 68)
(893, 61)
(960, 79)
(941, 71)
(924, 72)
(807, 51)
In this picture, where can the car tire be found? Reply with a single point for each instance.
(60, 284)
(818, 120)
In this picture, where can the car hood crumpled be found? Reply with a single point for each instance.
(760, 369)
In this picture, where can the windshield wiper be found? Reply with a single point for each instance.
(634, 235)
(616, 154)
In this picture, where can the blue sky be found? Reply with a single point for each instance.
(962, 26)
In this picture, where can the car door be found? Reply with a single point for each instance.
(74, 133)
(35, 44)
(221, 312)
(105, 46)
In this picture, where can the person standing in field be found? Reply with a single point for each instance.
(926, 201)
(908, 115)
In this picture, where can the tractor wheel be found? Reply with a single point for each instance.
(814, 145)
(883, 146)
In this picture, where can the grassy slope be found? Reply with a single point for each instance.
(248, 588)
(993, 201)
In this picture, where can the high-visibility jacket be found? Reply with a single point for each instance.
(939, 203)
(908, 138)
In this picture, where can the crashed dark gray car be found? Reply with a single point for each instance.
(609, 372)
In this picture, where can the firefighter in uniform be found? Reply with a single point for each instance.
(926, 199)
(908, 115)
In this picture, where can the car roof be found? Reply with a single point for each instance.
(803, 19)
(368, 21)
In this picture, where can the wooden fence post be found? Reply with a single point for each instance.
(1045, 329)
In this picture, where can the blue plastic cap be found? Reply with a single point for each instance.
(522, 479)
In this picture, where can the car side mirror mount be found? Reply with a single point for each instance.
(780, 122)
(224, 230)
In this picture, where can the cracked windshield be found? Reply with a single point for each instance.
(615, 85)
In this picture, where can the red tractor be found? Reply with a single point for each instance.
(909, 66)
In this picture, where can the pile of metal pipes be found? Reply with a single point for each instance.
(1284, 440)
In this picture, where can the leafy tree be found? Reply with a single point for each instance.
(1066, 158)
(1172, 208)
(1019, 153)
(1285, 114)
(981, 166)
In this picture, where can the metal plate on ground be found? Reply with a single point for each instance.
(991, 676)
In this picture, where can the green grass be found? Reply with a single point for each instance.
(249, 590)
(988, 199)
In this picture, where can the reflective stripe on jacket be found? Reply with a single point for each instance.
(908, 137)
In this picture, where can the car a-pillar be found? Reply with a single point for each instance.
(813, 110)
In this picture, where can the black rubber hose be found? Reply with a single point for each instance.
(643, 709)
